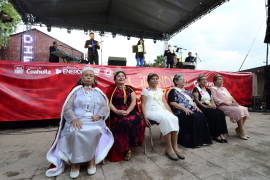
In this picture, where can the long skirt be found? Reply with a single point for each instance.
(194, 130)
(80, 145)
(167, 121)
(235, 112)
(128, 132)
(216, 121)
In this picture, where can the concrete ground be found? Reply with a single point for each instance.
(23, 157)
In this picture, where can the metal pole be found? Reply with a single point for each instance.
(101, 50)
(267, 53)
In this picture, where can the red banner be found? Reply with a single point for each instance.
(36, 91)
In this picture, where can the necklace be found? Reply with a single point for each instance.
(89, 98)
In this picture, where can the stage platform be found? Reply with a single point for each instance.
(23, 153)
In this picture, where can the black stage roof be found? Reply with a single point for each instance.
(154, 19)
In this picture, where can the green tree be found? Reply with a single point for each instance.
(7, 11)
(148, 64)
(159, 61)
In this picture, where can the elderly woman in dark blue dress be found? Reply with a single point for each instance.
(194, 130)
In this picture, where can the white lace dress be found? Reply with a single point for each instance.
(156, 111)
(93, 140)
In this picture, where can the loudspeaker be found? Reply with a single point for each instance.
(117, 61)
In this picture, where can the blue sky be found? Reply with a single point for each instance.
(221, 38)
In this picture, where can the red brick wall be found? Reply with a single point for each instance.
(41, 45)
(12, 52)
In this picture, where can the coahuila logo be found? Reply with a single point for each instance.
(18, 70)
(37, 70)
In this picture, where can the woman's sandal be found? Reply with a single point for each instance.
(128, 155)
(171, 156)
(218, 140)
(244, 137)
(179, 155)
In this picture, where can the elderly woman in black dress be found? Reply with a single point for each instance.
(215, 117)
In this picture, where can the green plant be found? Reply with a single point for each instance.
(159, 61)
(7, 27)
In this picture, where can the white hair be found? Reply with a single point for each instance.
(88, 68)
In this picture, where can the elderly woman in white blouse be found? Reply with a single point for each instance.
(155, 108)
(82, 135)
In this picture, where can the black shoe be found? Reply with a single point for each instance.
(171, 156)
(225, 140)
(218, 140)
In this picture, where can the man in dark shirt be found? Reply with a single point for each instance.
(190, 58)
(92, 46)
(170, 54)
(53, 58)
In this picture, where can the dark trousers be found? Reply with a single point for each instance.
(169, 64)
(53, 59)
(93, 57)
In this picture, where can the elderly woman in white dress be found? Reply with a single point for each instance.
(82, 135)
(155, 108)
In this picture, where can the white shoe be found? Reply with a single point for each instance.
(243, 137)
(92, 171)
(74, 174)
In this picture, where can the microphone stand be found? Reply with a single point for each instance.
(181, 53)
(101, 51)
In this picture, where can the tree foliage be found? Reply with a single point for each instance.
(158, 62)
(7, 28)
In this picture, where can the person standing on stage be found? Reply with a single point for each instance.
(92, 46)
(53, 58)
(190, 58)
(140, 53)
(170, 55)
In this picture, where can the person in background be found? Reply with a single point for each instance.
(170, 55)
(190, 58)
(92, 46)
(53, 58)
(140, 53)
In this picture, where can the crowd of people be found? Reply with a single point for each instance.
(95, 125)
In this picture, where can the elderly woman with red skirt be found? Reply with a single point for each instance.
(126, 123)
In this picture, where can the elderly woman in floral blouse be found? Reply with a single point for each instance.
(194, 130)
